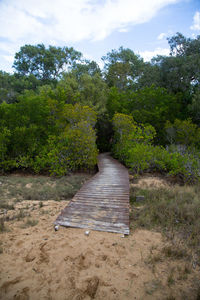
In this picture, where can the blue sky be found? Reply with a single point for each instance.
(94, 27)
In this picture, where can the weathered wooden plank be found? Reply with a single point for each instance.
(103, 202)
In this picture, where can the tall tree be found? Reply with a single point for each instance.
(123, 68)
(11, 86)
(45, 64)
(179, 72)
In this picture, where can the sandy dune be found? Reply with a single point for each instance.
(39, 263)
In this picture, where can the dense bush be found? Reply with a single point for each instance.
(49, 108)
(183, 132)
(133, 146)
(43, 134)
(127, 134)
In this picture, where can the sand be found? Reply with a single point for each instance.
(41, 263)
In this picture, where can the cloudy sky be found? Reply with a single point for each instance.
(94, 27)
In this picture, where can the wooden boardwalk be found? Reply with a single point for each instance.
(103, 202)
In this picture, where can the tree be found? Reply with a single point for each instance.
(86, 90)
(11, 86)
(86, 67)
(7, 92)
(45, 64)
(123, 68)
(150, 105)
(150, 76)
(180, 71)
(183, 132)
(194, 108)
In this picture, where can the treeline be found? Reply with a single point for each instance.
(58, 109)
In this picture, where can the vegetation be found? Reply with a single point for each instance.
(58, 107)
(175, 211)
(18, 188)
(29, 223)
(21, 196)
(59, 110)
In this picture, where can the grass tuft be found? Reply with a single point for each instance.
(175, 211)
(170, 278)
(29, 223)
(4, 205)
(3, 227)
(173, 251)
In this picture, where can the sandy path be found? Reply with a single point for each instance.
(39, 263)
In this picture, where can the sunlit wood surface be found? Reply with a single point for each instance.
(103, 202)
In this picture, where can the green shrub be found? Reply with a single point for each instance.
(127, 134)
(133, 147)
(183, 132)
(139, 158)
(44, 135)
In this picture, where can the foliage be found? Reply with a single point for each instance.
(74, 149)
(123, 68)
(4, 138)
(51, 105)
(183, 132)
(150, 105)
(104, 132)
(133, 146)
(128, 134)
(11, 86)
(43, 134)
(87, 90)
(155, 158)
(194, 108)
(44, 63)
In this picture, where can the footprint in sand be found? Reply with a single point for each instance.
(44, 256)
(22, 295)
(19, 243)
(7, 284)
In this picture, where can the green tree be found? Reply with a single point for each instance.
(87, 90)
(180, 71)
(123, 68)
(45, 64)
(194, 108)
(150, 105)
(128, 134)
(183, 132)
(86, 67)
(11, 86)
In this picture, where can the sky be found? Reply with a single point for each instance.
(95, 27)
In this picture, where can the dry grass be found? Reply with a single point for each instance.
(29, 223)
(39, 188)
(175, 211)
(18, 191)
(3, 227)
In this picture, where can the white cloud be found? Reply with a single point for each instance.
(123, 30)
(161, 36)
(196, 21)
(69, 21)
(148, 55)
(72, 21)
(8, 58)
